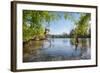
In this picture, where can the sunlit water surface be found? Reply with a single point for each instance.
(55, 50)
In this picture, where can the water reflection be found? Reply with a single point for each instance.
(56, 50)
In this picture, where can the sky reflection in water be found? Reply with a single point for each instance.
(59, 49)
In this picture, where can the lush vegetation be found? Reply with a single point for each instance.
(82, 29)
(82, 26)
(35, 23)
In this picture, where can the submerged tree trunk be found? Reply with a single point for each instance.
(76, 43)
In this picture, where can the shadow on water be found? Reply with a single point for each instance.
(56, 50)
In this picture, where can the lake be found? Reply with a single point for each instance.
(56, 49)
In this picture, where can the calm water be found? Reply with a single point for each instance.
(56, 50)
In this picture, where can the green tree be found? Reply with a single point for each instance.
(33, 23)
(82, 26)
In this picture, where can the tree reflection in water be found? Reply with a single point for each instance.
(56, 50)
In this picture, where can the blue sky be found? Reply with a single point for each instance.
(62, 25)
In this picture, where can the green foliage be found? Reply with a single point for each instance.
(33, 23)
(82, 26)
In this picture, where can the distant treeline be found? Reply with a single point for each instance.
(69, 36)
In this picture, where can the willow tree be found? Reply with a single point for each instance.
(82, 28)
(33, 23)
(83, 25)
